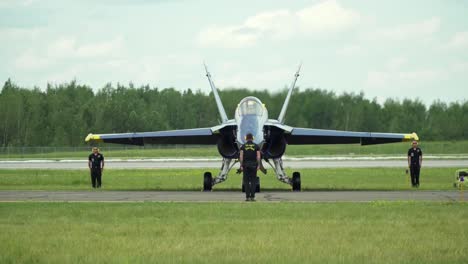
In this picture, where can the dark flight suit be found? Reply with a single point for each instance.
(249, 165)
(415, 167)
(96, 170)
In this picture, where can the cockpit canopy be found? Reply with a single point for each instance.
(250, 106)
(251, 115)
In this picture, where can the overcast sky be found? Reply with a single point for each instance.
(413, 49)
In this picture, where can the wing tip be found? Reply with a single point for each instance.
(93, 138)
(411, 137)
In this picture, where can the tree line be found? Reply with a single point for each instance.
(62, 115)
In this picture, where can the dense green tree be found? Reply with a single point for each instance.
(62, 115)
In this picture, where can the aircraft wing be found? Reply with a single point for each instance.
(197, 136)
(304, 136)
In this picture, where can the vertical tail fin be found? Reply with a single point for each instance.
(221, 110)
(288, 97)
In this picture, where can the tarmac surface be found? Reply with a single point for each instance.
(223, 196)
(213, 163)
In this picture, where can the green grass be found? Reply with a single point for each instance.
(113, 151)
(191, 179)
(377, 232)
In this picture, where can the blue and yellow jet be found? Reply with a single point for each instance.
(251, 116)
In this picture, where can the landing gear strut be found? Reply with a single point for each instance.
(209, 181)
(295, 181)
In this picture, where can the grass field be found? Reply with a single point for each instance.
(378, 232)
(112, 151)
(191, 179)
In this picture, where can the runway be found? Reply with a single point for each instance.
(222, 196)
(216, 163)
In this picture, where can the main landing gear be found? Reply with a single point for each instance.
(295, 181)
(207, 182)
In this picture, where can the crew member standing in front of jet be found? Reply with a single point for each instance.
(96, 166)
(250, 162)
(414, 163)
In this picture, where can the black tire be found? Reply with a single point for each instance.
(296, 182)
(207, 182)
(257, 185)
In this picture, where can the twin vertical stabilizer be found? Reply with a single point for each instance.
(288, 97)
(220, 106)
(221, 110)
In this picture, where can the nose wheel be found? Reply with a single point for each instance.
(207, 182)
(296, 182)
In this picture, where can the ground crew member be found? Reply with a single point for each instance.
(250, 163)
(96, 166)
(414, 163)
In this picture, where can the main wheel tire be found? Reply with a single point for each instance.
(257, 185)
(296, 182)
(207, 182)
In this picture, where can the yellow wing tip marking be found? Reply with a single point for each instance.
(92, 137)
(410, 137)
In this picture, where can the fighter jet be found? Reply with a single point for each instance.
(251, 116)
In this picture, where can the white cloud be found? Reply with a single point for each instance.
(28, 2)
(99, 49)
(67, 47)
(394, 74)
(420, 29)
(327, 16)
(396, 63)
(123, 70)
(62, 47)
(272, 79)
(349, 50)
(460, 67)
(65, 75)
(30, 61)
(459, 40)
(392, 79)
(16, 3)
(231, 37)
(277, 24)
(13, 34)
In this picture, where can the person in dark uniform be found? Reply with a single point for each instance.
(96, 166)
(250, 162)
(414, 163)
